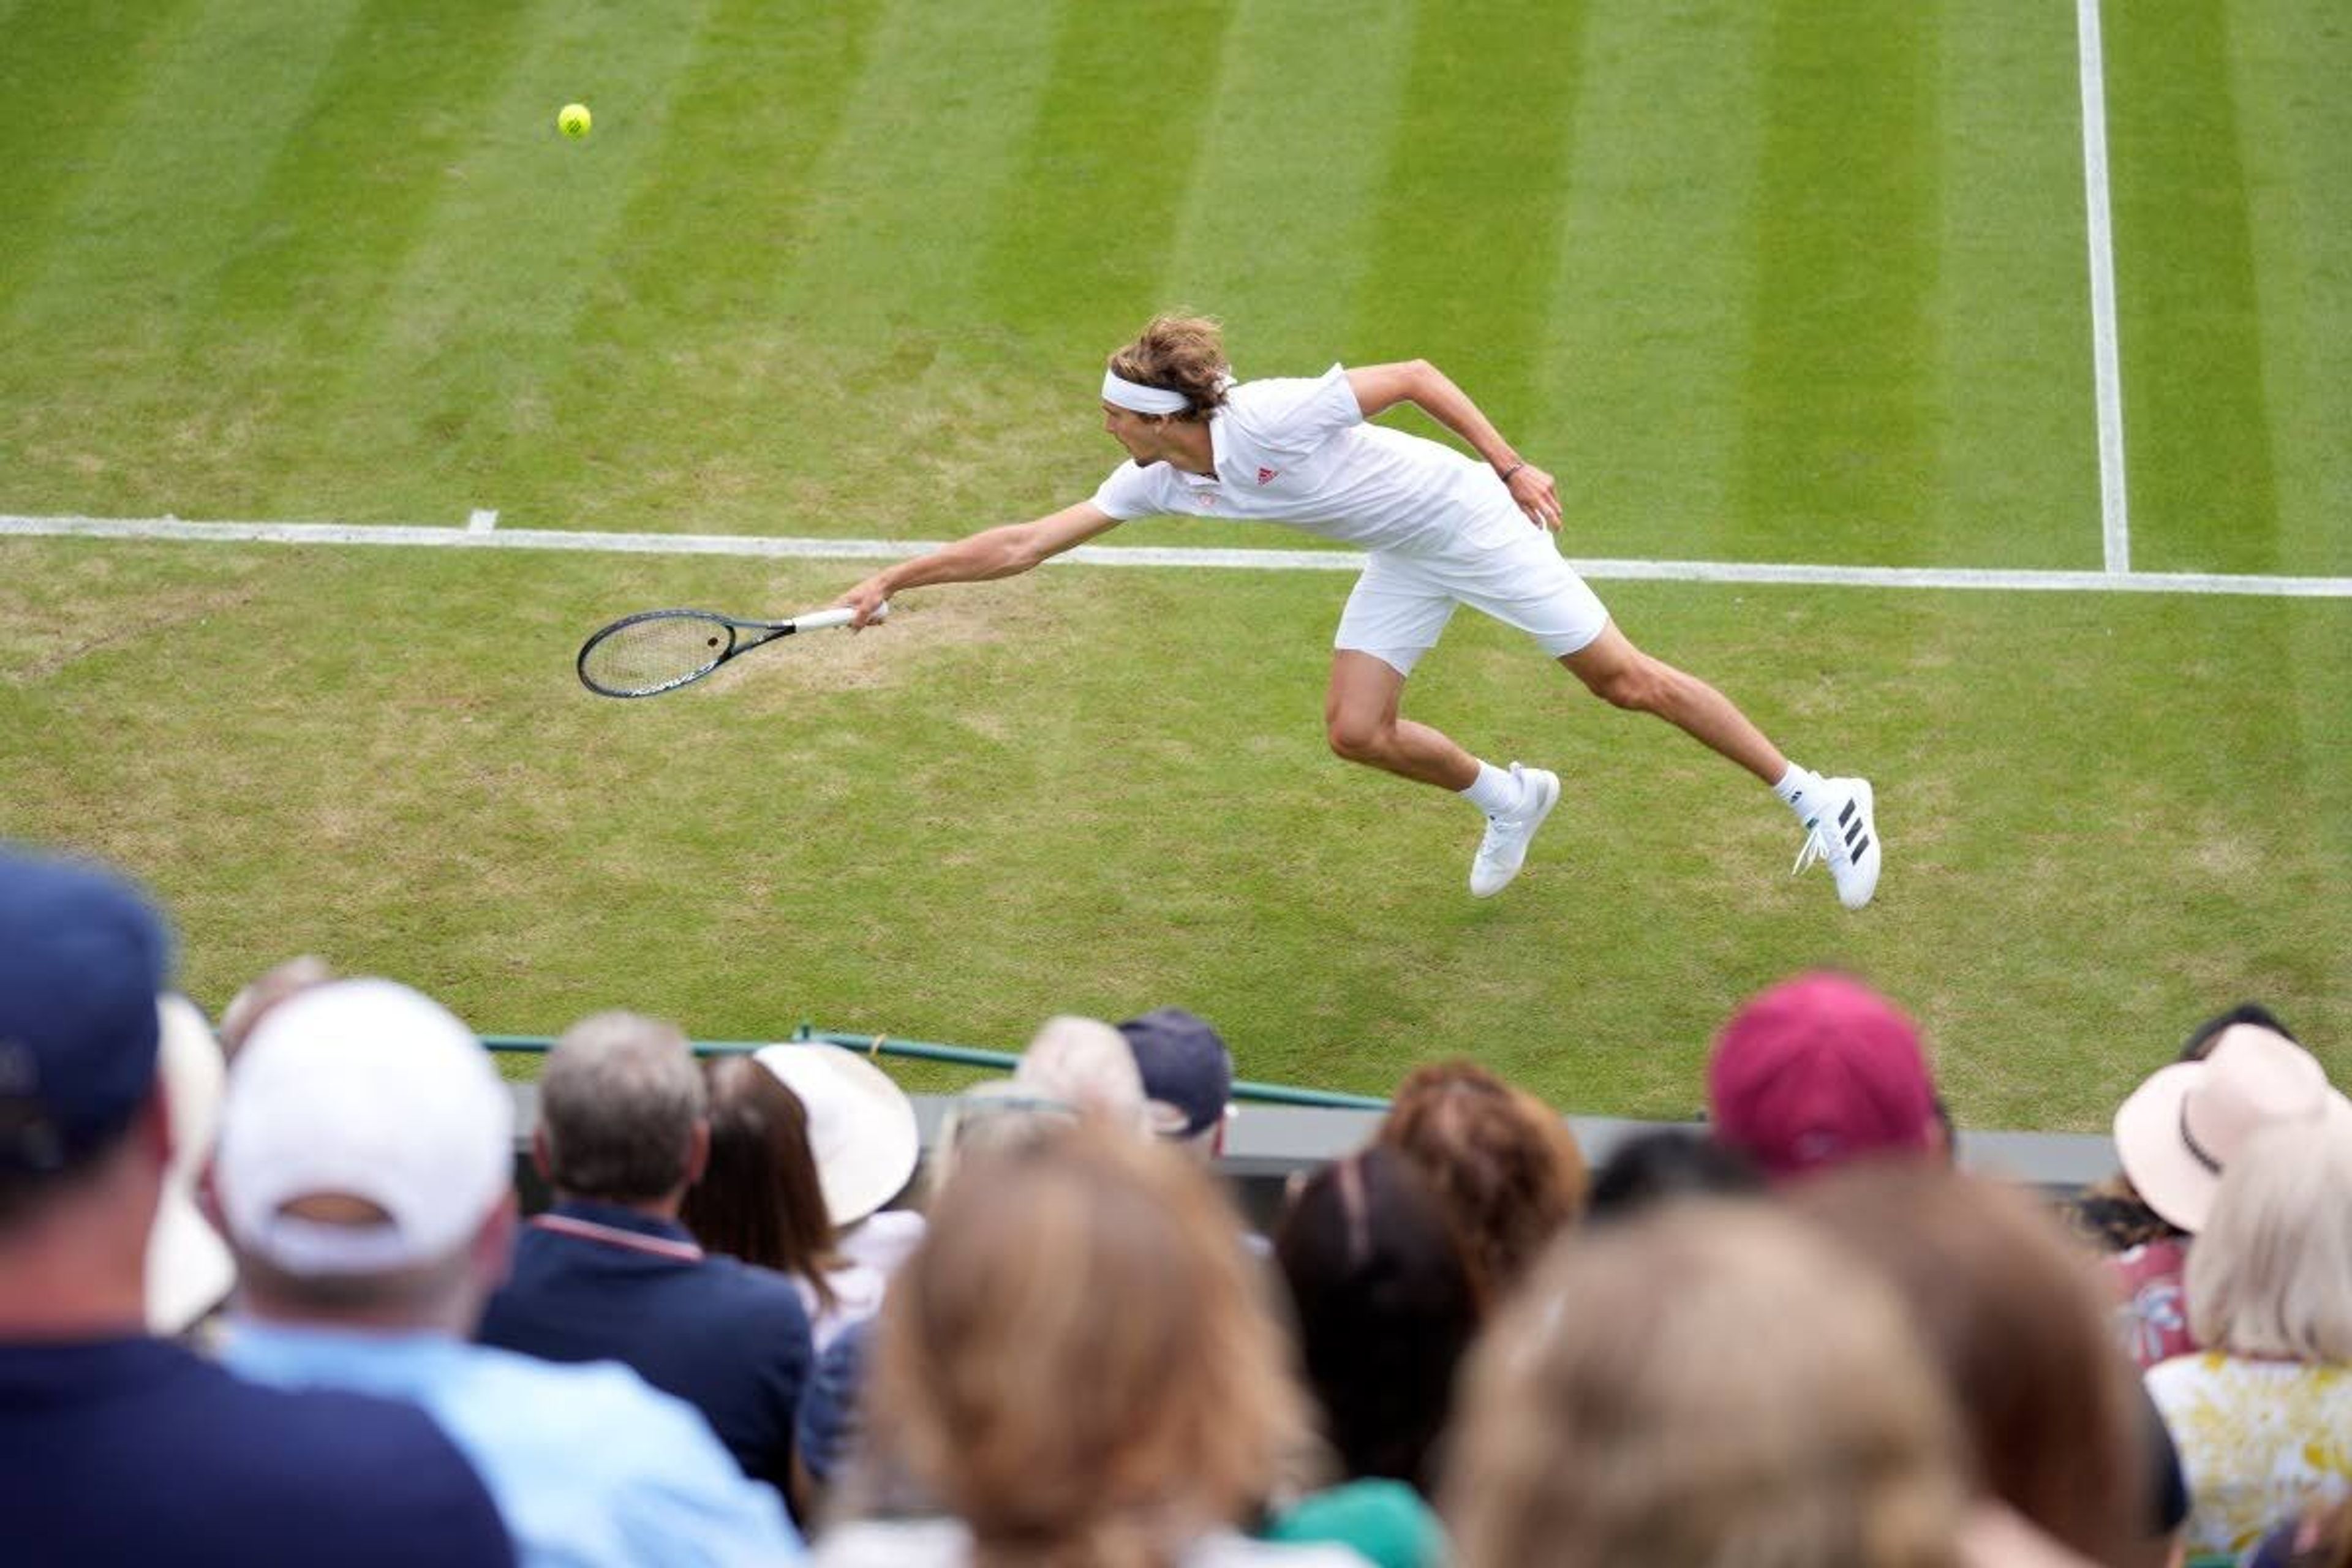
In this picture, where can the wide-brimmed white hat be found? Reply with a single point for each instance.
(2179, 1130)
(861, 1125)
(189, 1270)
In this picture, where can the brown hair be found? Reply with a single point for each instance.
(1507, 1171)
(759, 1198)
(1707, 1385)
(2012, 1313)
(1179, 354)
(1076, 1361)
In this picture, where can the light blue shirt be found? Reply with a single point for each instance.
(588, 1464)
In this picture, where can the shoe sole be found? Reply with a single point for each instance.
(1551, 798)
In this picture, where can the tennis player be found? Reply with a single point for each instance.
(1440, 530)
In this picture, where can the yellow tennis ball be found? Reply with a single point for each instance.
(572, 120)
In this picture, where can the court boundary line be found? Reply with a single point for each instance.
(2106, 370)
(415, 536)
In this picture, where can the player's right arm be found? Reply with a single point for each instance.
(1004, 552)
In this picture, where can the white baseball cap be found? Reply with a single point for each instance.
(368, 1089)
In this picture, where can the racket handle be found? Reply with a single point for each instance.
(819, 620)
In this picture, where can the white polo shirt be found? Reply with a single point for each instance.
(1296, 451)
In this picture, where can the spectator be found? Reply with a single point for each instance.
(273, 986)
(116, 1447)
(2056, 1428)
(1077, 1365)
(1385, 1307)
(608, 1274)
(2174, 1136)
(1186, 1068)
(1086, 1063)
(993, 1116)
(1820, 1071)
(2261, 1416)
(831, 1420)
(1707, 1386)
(758, 1198)
(189, 1273)
(2200, 1043)
(1505, 1171)
(863, 1135)
(365, 1174)
(1649, 1168)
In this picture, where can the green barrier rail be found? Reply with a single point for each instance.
(959, 1055)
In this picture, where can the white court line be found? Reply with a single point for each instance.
(481, 520)
(416, 537)
(2114, 514)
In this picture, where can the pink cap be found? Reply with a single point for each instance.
(1819, 1071)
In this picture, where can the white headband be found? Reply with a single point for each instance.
(1138, 398)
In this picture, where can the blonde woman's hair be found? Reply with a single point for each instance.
(2270, 1274)
(1710, 1385)
(1076, 1361)
(1179, 354)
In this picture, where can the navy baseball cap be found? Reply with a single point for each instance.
(83, 957)
(1184, 1063)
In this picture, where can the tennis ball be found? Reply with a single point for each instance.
(572, 120)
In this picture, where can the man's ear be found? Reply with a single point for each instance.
(698, 1152)
(540, 1160)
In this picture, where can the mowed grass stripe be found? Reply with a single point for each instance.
(99, 414)
(461, 370)
(1638, 392)
(69, 75)
(298, 297)
(1102, 177)
(1838, 439)
(2291, 60)
(2197, 420)
(1467, 230)
(2012, 423)
(907, 385)
(677, 359)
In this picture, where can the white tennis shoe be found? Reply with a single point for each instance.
(1846, 834)
(1504, 849)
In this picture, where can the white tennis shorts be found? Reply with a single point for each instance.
(1401, 603)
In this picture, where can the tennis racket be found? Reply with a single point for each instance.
(655, 651)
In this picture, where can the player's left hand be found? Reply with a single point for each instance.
(1533, 489)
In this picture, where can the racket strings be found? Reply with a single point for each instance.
(647, 655)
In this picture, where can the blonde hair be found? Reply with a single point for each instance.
(2015, 1315)
(1179, 354)
(1086, 1063)
(1708, 1385)
(1076, 1361)
(2270, 1274)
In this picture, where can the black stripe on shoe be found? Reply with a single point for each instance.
(1847, 815)
(1861, 848)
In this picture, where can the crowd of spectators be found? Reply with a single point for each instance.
(267, 1295)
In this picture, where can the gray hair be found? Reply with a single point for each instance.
(618, 1104)
(2270, 1274)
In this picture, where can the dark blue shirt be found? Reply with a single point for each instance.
(728, 1339)
(138, 1451)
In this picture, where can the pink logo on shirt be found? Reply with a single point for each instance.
(1265, 474)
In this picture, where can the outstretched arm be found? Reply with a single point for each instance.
(1381, 387)
(1004, 552)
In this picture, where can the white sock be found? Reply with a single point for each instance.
(1495, 792)
(1803, 790)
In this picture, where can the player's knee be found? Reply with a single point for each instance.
(1353, 738)
(1640, 688)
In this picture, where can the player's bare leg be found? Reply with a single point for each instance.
(1837, 812)
(1361, 720)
